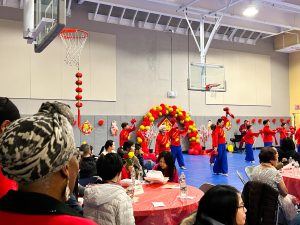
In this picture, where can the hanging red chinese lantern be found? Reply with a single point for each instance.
(78, 97)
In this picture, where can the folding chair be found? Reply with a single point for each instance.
(241, 177)
(205, 187)
(248, 171)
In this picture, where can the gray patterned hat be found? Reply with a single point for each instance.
(34, 147)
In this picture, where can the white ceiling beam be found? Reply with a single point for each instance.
(158, 19)
(122, 16)
(109, 13)
(168, 23)
(283, 5)
(146, 19)
(232, 34)
(178, 25)
(97, 9)
(249, 37)
(184, 6)
(226, 7)
(133, 19)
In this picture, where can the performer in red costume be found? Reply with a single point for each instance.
(297, 137)
(125, 132)
(267, 134)
(283, 132)
(162, 141)
(8, 114)
(249, 140)
(175, 143)
(243, 130)
(221, 163)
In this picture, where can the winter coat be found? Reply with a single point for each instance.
(108, 204)
(87, 167)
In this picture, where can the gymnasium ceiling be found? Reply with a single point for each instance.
(274, 16)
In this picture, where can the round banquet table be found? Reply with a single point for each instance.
(175, 208)
(292, 182)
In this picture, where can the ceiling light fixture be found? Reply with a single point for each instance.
(250, 11)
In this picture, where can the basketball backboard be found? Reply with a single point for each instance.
(43, 21)
(207, 77)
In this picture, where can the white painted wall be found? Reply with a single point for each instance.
(143, 74)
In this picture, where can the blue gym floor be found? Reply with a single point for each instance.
(199, 170)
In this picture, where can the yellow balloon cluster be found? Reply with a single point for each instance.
(230, 148)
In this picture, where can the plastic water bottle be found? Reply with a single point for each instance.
(140, 175)
(132, 174)
(183, 187)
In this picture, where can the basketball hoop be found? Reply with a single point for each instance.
(74, 41)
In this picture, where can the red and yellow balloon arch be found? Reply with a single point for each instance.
(180, 115)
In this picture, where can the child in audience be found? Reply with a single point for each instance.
(167, 166)
(249, 140)
(128, 166)
(108, 203)
(129, 146)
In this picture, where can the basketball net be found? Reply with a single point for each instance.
(74, 41)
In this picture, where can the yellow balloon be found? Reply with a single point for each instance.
(193, 138)
(230, 148)
(182, 121)
(139, 140)
(186, 119)
(179, 113)
(194, 129)
(190, 127)
(147, 127)
(177, 110)
(176, 115)
(142, 127)
(151, 118)
(170, 109)
(159, 108)
(84, 143)
(198, 141)
(189, 131)
(160, 114)
(154, 108)
(167, 112)
(167, 106)
(149, 114)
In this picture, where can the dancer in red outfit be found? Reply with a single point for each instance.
(176, 149)
(249, 140)
(283, 132)
(297, 137)
(162, 141)
(267, 134)
(243, 130)
(125, 133)
(221, 163)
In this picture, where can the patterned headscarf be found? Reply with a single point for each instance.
(34, 147)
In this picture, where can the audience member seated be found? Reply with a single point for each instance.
(39, 153)
(268, 174)
(222, 204)
(129, 146)
(88, 169)
(287, 150)
(167, 166)
(127, 167)
(109, 147)
(108, 203)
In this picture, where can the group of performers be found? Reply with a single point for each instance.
(219, 157)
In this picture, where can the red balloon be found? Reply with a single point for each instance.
(191, 151)
(196, 152)
(78, 82)
(78, 75)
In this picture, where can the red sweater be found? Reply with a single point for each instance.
(175, 136)
(125, 173)
(125, 134)
(283, 133)
(267, 134)
(243, 129)
(6, 184)
(219, 136)
(22, 208)
(162, 143)
(297, 136)
(249, 137)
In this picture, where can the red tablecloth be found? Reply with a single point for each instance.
(175, 208)
(292, 182)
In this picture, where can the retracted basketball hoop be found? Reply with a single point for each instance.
(74, 40)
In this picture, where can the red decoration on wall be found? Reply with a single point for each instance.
(288, 121)
(78, 97)
(238, 121)
(259, 120)
(281, 120)
(253, 120)
(274, 120)
(100, 122)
